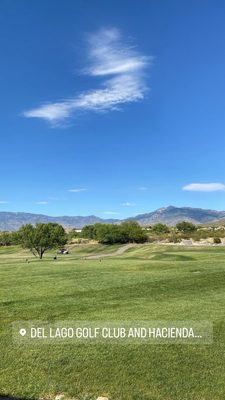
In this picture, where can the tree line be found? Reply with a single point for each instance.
(42, 237)
(126, 232)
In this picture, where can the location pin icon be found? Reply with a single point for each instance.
(23, 332)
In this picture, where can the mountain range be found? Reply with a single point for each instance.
(11, 221)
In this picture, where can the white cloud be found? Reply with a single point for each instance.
(127, 204)
(111, 213)
(4, 202)
(41, 202)
(108, 57)
(143, 188)
(78, 190)
(204, 187)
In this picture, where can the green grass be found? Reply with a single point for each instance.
(147, 282)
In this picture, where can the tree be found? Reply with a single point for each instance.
(5, 238)
(160, 228)
(186, 227)
(128, 231)
(73, 234)
(88, 232)
(107, 233)
(42, 237)
(131, 231)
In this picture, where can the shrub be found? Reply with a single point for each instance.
(160, 228)
(186, 227)
(128, 231)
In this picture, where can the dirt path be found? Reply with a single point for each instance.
(118, 252)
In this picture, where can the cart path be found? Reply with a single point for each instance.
(118, 252)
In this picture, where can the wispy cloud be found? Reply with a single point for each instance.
(77, 190)
(41, 202)
(127, 204)
(122, 69)
(4, 202)
(143, 188)
(111, 213)
(204, 187)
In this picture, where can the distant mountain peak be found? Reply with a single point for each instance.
(160, 210)
(171, 215)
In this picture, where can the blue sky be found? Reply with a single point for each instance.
(111, 108)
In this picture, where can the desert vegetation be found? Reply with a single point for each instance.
(42, 237)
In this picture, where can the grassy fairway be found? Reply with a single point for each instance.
(146, 282)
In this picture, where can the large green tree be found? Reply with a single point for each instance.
(88, 232)
(107, 233)
(132, 232)
(186, 227)
(160, 228)
(42, 237)
(128, 231)
(5, 238)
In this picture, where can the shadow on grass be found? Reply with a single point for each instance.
(171, 257)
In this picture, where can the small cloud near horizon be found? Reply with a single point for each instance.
(4, 202)
(122, 70)
(41, 202)
(77, 190)
(127, 204)
(204, 187)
